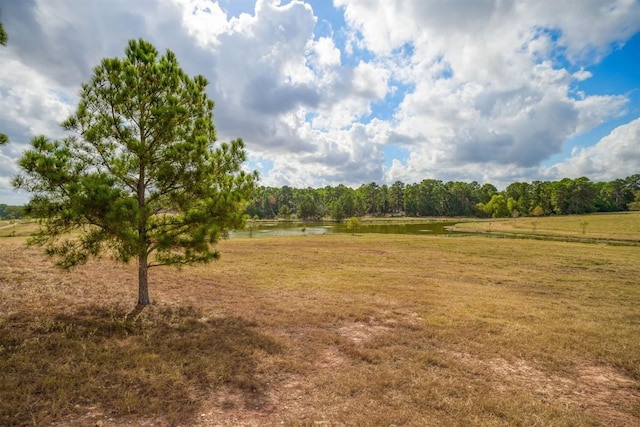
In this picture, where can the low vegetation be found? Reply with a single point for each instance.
(623, 227)
(22, 227)
(329, 330)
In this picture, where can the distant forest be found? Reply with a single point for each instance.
(436, 198)
(11, 212)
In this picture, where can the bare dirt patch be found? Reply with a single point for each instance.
(286, 403)
(605, 392)
(330, 358)
(601, 391)
(360, 332)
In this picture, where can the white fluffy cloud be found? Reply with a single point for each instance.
(482, 90)
(614, 156)
(492, 98)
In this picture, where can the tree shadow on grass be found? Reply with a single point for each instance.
(160, 365)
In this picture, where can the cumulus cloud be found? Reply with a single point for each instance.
(326, 52)
(614, 156)
(488, 88)
(468, 90)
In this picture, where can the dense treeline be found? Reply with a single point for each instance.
(436, 198)
(11, 212)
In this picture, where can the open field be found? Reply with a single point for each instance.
(333, 330)
(16, 228)
(622, 226)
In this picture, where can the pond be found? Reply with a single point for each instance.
(300, 228)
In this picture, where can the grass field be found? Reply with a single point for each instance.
(364, 330)
(17, 228)
(622, 226)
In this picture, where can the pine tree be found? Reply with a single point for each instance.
(3, 41)
(141, 178)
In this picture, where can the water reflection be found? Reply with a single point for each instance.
(299, 228)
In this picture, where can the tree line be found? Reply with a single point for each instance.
(454, 198)
(11, 212)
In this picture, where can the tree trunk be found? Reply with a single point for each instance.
(143, 254)
(143, 287)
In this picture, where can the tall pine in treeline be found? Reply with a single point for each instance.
(142, 178)
(3, 35)
(3, 41)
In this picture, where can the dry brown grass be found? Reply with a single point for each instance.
(329, 330)
(619, 226)
(14, 228)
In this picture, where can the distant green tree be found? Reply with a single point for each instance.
(613, 196)
(633, 183)
(3, 41)
(369, 193)
(143, 179)
(284, 212)
(352, 224)
(3, 36)
(537, 211)
(384, 200)
(11, 212)
(497, 207)
(541, 194)
(573, 196)
(459, 198)
(285, 196)
(519, 193)
(344, 206)
(428, 198)
(410, 197)
(512, 207)
(486, 192)
(397, 197)
(308, 207)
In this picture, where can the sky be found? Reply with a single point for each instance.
(357, 91)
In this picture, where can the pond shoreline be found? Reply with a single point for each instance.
(384, 226)
(420, 227)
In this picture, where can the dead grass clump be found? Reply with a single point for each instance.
(360, 332)
(94, 362)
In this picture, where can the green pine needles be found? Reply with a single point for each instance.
(3, 41)
(3, 36)
(142, 178)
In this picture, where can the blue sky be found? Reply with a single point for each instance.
(354, 91)
(618, 73)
